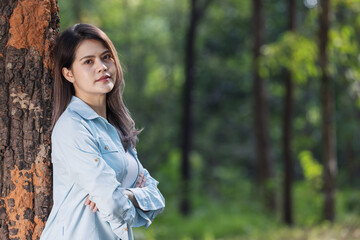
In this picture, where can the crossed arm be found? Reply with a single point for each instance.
(140, 183)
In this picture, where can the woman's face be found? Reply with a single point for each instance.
(93, 72)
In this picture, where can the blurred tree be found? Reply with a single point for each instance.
(26, 88)
(198, 8)
(328, 129)
(287, 127)
(262, 148)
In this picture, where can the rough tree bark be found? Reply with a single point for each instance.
(262, 148)
(197, 10)
(287, 127)
(27, 32)
(328, 129)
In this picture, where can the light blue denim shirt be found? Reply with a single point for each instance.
(89, 159)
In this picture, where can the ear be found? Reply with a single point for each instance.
(68, 75)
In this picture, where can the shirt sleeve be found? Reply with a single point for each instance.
(150, 200)
(89, 170)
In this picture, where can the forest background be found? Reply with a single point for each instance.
(231, 195)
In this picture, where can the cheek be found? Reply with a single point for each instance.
(112, 69)
(112, 66)
(83, 72)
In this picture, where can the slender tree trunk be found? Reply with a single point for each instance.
(26, 40)
(287, 130)
(262, 149)
(197, 10)
(187, 114)
(328, 130)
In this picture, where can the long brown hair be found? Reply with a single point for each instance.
(117, 113)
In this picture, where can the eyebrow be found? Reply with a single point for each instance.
(92, 56)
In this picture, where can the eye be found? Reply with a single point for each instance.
(107, 57)
(88, 61)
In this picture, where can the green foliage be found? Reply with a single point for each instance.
(294, 52)
(308, 202)
(313, 171)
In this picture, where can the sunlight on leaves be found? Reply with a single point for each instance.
(294, 52)
(312, 170)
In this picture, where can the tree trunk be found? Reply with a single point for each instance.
(265, 171)
(26, 40)
(187, 104)
(287, 130)
(328, 130)
(196, 12)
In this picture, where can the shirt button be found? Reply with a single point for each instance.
(106, 148)
(96, 160)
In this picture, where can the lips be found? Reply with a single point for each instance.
(104, 78)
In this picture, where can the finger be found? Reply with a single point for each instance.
(143, 182)
(95, 209)
(92, 205)
(87, 201)
(142, 177)
(139, 180)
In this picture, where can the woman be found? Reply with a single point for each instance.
(100, 189)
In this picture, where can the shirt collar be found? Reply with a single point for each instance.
(80, 107)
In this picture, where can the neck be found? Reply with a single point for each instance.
(98, 104)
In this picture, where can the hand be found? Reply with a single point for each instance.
(141, 181)
(132, 198)
(91, 204)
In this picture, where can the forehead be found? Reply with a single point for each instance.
(89, 47)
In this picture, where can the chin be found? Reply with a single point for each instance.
(107, 89)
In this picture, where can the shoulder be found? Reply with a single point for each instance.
(70, 124)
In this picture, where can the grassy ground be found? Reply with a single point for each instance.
(244, 218)
(348, 230)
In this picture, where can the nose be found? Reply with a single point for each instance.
(102, 66)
